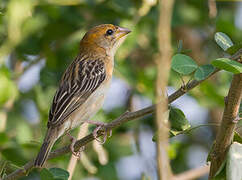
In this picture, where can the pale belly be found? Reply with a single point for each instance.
(86, 110)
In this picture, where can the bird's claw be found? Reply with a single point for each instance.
(106, 133)
(100, 126)
(72, 148)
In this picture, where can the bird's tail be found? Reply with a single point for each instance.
(45, 149)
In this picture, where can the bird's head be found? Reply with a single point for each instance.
(106, 36)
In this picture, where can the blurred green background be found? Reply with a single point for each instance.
(38, 39)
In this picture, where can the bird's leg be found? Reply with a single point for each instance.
(100, 126)
(73, 141)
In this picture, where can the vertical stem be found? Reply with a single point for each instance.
(212, 8)
(226, 131)
(192, 173)
(163, 63)
(72, 163)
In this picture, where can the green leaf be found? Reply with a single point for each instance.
(221, 173)
(223, 40)
(183, 64)
(178, 120)
(234, 161)
(233, 49)
(203, 72)
(237, 137)
(228, 65)
(59, 173)
(46, 175)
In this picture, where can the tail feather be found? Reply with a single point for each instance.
(44, 150)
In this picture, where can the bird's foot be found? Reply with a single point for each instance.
(106, 133)
(100, 126)
(73, 142)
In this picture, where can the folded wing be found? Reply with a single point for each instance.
(79, 81)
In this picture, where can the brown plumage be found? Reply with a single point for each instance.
(83, 85)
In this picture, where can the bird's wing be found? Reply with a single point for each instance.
(78, 82)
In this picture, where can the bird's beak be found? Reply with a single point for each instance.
(122, 32)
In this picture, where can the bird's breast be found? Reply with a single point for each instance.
(90, 107)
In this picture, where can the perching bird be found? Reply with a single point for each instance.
(83, 86)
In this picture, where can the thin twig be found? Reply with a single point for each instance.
(163, 65)
(72, 163)
(228, 124)
(212, 8)
(126, 117)
(193, 173)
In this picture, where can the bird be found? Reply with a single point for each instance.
(83, 86)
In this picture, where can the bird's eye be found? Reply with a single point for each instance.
(109, 32)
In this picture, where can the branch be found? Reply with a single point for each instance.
(126, 117)
(226, 131)
(212, 8)
(83, 130)
(163, 66)
(193, 173)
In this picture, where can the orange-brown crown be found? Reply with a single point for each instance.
(97, 32)
(105, 36)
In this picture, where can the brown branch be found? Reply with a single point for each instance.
(226, 131)
(128, 116)
(212, 8)
(83, 130)
(163, 66)
(193, 173)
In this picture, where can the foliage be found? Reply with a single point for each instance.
(223, 40)
(54, 174)
(203, 72)
(178, 120)
(183, 64)
(38, 39)
(228, 65)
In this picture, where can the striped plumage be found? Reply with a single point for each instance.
(83, 85)
(74, 91)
